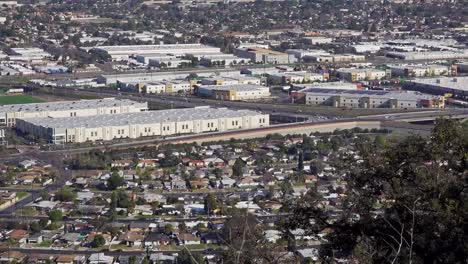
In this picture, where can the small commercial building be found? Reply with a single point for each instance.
(372, 99)
(135, 125)
(236, 92)
(81, 108)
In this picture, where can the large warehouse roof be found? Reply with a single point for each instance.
(66, 105)
(236, 87)
(455, 83)
(148, 117)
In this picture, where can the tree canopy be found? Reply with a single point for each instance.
(407, 202)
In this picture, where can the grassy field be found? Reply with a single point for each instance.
(18, 99)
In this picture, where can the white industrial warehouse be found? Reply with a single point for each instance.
(456, 86)
(136, 125)
(126, 51)
(10, 113)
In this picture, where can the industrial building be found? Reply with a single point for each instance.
(334, 58)
(231, 80)
(462, 67)
(300, 90)
(28, 54)
(224, 59)
(82, 108)
(328, 85)
(316, 40)
(267, 56)
(159, 76)
(142, 124)
(371, 99)
(429, 55)
(301, 53)
(233, 92)
(447, 86)
(295, 77)
(354, 74)
(126, 51)
(419, 70)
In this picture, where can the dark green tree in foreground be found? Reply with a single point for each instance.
(411, 198)
(186, 257)
(98, 241)
(238, 168)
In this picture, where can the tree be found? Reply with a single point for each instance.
(316, 167)
(55, 215)
(98, 241)
(211, 204)
(182, 227)
(168, 229)
(115, 181)
(410, 197)
(65, 194)
(238, 168)
(187, 257)
(300, 162)
(380, 140)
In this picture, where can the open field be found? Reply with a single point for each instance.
(19, 99)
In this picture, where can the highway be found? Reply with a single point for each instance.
(178, 101)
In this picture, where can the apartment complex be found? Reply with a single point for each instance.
(371, 99)
(233, 92)
(354, 75)
(419, 70)
(9, 114)
(142, 124)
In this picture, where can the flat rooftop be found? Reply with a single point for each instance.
(353, 70)
(456, 83)
(406, 95)
(311, 87)
(236, 87)
(66, 105)
(147, 117)
(129, 48)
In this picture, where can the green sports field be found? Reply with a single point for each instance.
(18, 99)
